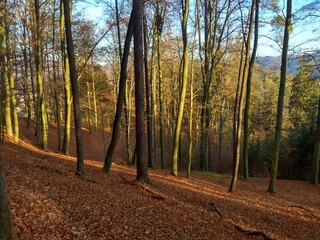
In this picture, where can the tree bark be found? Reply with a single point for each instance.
(185, 11)
(142, 173)
(116, 130)
(237, 150)
(67, 83)
(6, 226)
(74, 85)
(42, 121)
(283, 77)
(246, 134)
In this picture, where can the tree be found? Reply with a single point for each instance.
(42, 121)
(185, 13)
(116, 130)
(67, 83)
(137, 12)
(237, 146)
(247, 104)
(74, 86)
(283, 77)
(13, 100)
(6, 226)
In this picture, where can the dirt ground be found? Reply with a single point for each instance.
(48, 201)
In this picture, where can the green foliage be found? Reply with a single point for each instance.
(304, 97)
(299, 159)
(259, 156)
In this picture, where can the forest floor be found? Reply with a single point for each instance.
(48, 201)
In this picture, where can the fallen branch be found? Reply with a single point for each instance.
(216, 208)
(297, 206)
(253, 233)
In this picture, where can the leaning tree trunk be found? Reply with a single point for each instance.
(116, 130)
(283, 77)
(185, 10)
(142, 173)
(74, 85)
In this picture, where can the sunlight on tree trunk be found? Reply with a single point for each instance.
(185, 11)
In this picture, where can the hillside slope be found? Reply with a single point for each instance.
(48, 201)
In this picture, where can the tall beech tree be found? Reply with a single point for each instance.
(248, 95)
(185, 61)
(74, 86)
(137, 15)
(13, 100)
(283, 77)
(67, 82)
(42, 120)
(237, 146)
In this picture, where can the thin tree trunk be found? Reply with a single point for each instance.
(283, 77)
(54, 69)
(42, 121)
(246, 134)
(67, 83)
(13, 101)
(148, 100)
(241, 104)
(116, 130)
(74, 85)
(185, 10)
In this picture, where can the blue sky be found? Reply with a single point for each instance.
(304, 36)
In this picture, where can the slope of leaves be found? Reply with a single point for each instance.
(48, 201)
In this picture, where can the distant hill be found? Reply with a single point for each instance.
(274, 62)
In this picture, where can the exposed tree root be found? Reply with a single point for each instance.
(84, 177)
(249, 232)
(153, 193)
(253, 233)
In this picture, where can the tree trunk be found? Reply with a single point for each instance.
(54, 69)
(142, 173)
(116, 130)
(67, 83)
(246, 134)
(6, 225)
(74, 85)
(316, 153)
(42, 121)
(13, 100)
(185, 11)
(283, 77)
(148, 100)
(237, 149)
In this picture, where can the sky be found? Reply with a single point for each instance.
(302, 38)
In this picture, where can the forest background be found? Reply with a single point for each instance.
(185, 85)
